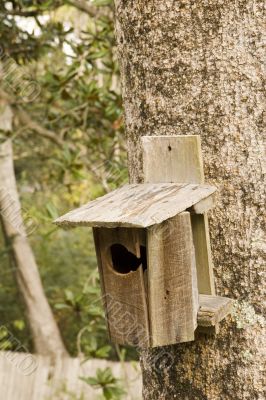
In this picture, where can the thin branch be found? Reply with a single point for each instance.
(89, 9)
(21, 13)
(35, 126)
(81, 5)
(25, 119)
(5, 96)
(20, 50)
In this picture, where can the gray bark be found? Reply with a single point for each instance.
(45, 333)
(198, 67)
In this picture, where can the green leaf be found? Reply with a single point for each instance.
(108, 393)
(19, 324)
(3, 332)
(98, 54)
(69, 295)
(61, 306)
(105, 376)
(90, 381)
(52, 210)
(103, 352)
(101, 3)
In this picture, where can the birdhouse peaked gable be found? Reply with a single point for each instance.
(140, 205)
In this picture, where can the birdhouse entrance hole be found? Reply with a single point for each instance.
(124, 261)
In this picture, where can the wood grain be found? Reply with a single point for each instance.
(172, 159)
(137, 205)
(213, 309)
(172, 282)
(203, 205)
(123, 294)
(179, 159)
(200, 229)
(60, 379)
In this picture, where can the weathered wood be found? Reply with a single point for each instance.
(137, 205)
(200, 229)
(213, 309)
(172, 159)
(203, 205)
(123, 294)
(97, 244)
(60, 379)
(172, 282)
(179, 159)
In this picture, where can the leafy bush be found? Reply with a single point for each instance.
(104, 380)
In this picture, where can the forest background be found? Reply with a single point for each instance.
(60, 103)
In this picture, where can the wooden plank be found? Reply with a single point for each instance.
(60, 379)
(213, 309)
(137, 205)
(103, 300)
(179, 159)
(200, 229)
(172, 159)
(41, 377)
(172, 282)
(124, 293)
(203, 205)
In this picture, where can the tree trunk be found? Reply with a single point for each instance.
(45, 333)
(196, 67)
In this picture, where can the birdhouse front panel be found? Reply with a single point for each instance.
(172, 282)
(122, 261)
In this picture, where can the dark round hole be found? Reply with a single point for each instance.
(169, 148)
(124, 261)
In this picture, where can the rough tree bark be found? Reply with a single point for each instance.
(45, 333)
(197, 67)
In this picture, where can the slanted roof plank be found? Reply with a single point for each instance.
(137, 205)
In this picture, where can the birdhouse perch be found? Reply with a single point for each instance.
(153, 249)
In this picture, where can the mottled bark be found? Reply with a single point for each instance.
(198, 67)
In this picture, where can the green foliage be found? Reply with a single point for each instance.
(86, 305)
(19, 324)
(5, 343)
(16, 41)
(104, 380)
(74, 65)
(62, 392)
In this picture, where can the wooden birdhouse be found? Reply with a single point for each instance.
(153, 250)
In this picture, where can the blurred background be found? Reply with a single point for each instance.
(60, 103)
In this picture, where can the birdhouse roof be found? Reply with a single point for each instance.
(137, 205)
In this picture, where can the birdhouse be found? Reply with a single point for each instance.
(145, 244)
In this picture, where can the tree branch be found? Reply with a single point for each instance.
(89, 9)
(81, 5)
(35, 126)
(25, 119)
(22, 13)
